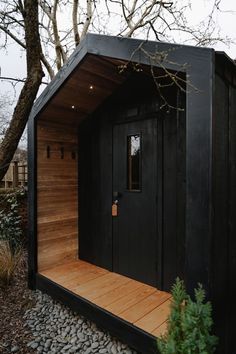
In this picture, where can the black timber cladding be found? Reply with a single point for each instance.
(210, 206)
(198, 128)
(223, 251)
(95, 166)
(32, 203)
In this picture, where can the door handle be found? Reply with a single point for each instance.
(116, 195)
(114, 209)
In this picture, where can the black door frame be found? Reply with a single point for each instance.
(96, 185)
(158, 115)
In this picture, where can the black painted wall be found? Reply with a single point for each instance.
(95, 190)
(223, 251)
(200, 188)
(136, 99)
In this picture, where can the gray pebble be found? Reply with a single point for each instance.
(81, 337)
(15, 349)
(68, 346)
(73, 330)
(62, 340)
(109, 345)
(57, 330)
(74, 340)
(48, 343)
(88, 351)
(67, 329)
(95, 345)
(113, 349)
(33, 345)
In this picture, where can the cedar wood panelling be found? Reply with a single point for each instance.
(57, 212)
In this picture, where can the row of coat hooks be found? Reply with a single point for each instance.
(62, 152)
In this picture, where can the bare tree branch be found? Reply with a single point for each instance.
(18, 80)
(30, 88)
(75, 22)
(88, 19)
(47, 66)
(11, 35)
(162, 18)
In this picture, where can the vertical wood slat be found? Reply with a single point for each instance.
(232, 222)
(219, 250)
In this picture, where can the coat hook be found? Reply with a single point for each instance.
(48, 152)
(62, 152)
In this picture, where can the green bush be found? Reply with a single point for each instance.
(189, 324)
(10, 221)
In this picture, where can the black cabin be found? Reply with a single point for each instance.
(132, 182)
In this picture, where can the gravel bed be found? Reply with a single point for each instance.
(56, 329)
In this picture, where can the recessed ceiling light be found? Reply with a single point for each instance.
(73, 107)
(91, 87)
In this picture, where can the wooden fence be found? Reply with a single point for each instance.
(17, 175)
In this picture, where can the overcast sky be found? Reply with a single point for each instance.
(12, 63)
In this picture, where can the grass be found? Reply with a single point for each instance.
(9, 262)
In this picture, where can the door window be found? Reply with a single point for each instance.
(134, 162)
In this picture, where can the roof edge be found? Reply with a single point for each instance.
(167, 55)
(226, 56)
(61, 76)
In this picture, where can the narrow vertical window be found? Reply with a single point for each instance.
(133, 162)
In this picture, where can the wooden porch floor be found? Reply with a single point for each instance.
(137, 303)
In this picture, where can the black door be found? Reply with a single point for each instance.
(135, 192)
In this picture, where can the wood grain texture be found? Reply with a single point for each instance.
(155, 318)
(161, 330)
(117, 293)
(137, 303)
(129, 300)
(92, 82)
(57, 196)
(148, 304)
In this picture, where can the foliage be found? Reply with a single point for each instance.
(9, 261)
(189, 324)
(10, 221)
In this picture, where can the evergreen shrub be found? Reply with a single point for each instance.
(189, 324)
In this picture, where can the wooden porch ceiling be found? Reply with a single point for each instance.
(139, 304)
(93, 80)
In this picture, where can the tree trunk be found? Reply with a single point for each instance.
(29, 91)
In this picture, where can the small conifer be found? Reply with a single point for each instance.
(189, 324)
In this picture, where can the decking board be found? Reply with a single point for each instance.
(76, 274)
(155, 318)
(101, 286)
(129, 300)
(139, 304)
(116, 294)
(142, 308)
(160, 330)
